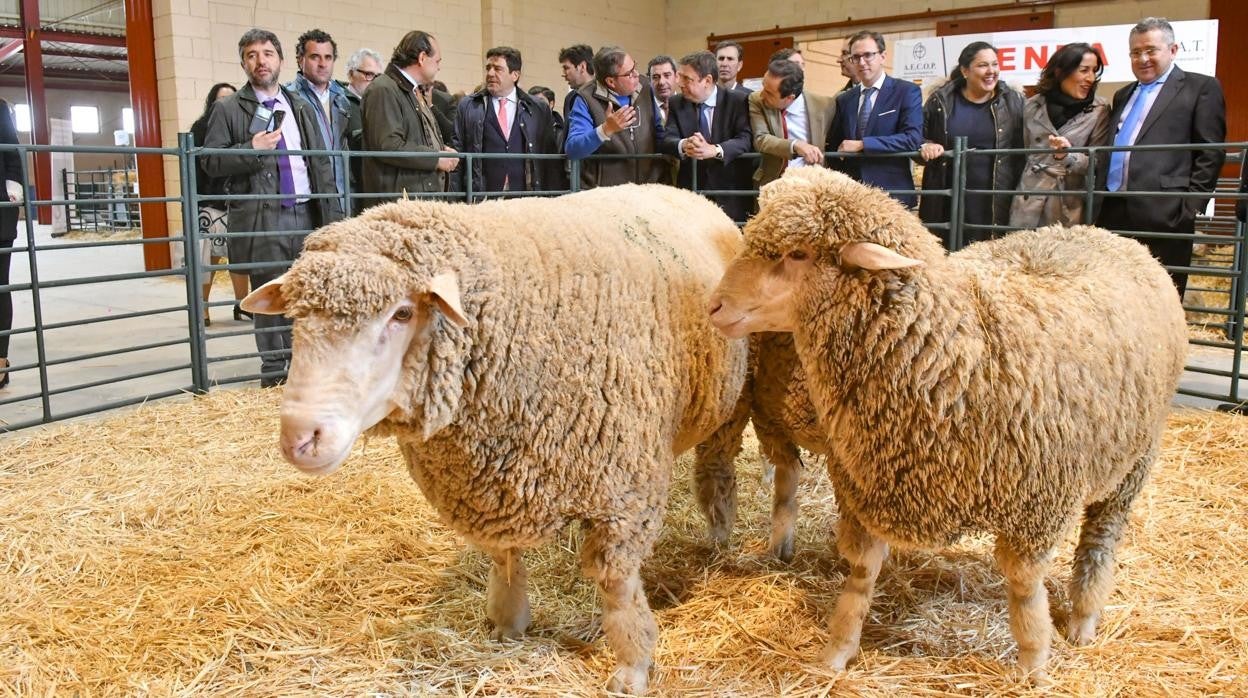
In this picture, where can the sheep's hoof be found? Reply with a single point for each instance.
(501, 632)
(783, 548)
(1038, 677)
(836, 656)
(628, 681)
(1081, 631)
(719, 534)
(1031, 663)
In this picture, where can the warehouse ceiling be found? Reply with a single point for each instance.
(69, 63)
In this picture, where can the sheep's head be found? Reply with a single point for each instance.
(814, 227)
(369, 331)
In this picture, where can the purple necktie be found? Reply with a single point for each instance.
(285, 179)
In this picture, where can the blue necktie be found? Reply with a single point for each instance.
(1118, 159)
(285, 177)
(704, 123)
(864, 112)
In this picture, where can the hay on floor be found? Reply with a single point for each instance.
(169, 551)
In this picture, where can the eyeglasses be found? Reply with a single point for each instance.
(367, 74)
(1149, 53)
(863, 57)
(632, 73)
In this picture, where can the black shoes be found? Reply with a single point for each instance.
(239, 313)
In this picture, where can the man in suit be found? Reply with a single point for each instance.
(1164, 105)
(881, 114)
(789, 124)
(662, 71)
(501, 118)
(729, 57)
(709, 129)
(398, 116)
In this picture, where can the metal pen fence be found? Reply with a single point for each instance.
(97, 338)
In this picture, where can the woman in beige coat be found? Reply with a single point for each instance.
(1064, 113)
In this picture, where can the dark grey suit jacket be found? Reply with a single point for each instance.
(1189, 108)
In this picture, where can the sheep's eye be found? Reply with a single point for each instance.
(798, 256)
(403, 314)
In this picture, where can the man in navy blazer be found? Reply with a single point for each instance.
(708, 127)
(881, 114)
(1164, 105)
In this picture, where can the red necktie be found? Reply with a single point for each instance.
(784, 125)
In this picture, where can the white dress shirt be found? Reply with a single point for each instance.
(290, 132)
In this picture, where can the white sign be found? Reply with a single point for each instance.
(1024, 54)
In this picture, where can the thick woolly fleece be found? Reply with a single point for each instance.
(1003, 388)
(587, 364)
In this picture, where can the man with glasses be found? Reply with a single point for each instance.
(1164, 105)
(881, 114)
(614, 114)
(362, 67)
(709, 129)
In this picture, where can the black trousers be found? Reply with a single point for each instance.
(6, 297)
(1116, 215)
(274, 345)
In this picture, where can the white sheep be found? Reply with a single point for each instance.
(1008, 388)
(540, 361)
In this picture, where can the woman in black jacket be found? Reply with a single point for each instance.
(212, 211)
(977, 105)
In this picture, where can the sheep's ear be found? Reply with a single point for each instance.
(873, 257)
(266, 300)
(444, 291)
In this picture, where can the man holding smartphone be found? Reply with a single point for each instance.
(263, 116)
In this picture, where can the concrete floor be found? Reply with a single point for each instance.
(103, 300)
(106, 299)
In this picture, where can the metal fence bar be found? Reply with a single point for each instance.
(191, 261)
(195, 270)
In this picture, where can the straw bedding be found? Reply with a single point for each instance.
(169, 551)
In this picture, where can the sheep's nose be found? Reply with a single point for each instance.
(299, 442)
(714, 305)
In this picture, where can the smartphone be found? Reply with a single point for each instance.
(276, 123)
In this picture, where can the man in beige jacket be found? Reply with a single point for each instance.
(790, 125)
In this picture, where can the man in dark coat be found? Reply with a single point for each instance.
(880, 114)
(501, 118)
(399, 116)
(248, 120)
(1164, 105)
(708, 127)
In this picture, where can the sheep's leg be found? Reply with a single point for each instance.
(506, 596)
(783, 453)
(1029, 606)
(715, 472)
(1092, 578)
(612, 557)
(865, 553)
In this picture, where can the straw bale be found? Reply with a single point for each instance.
(169, 551)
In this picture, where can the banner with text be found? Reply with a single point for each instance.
(1024, 54)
